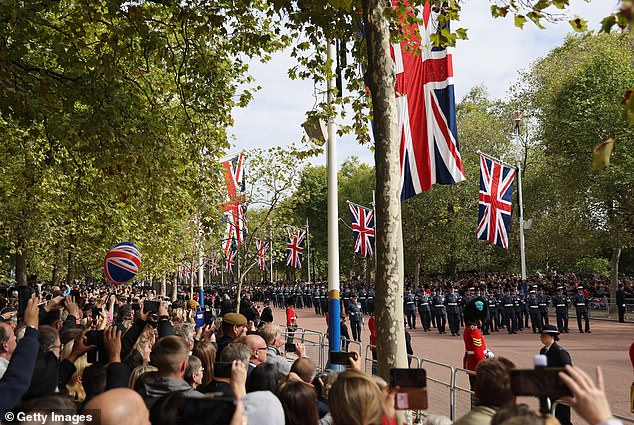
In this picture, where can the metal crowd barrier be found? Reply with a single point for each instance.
(313, 342)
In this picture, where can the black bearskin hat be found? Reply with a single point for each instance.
(476, 309)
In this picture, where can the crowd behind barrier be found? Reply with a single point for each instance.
(126, 354)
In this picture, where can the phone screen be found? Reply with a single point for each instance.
(541, 382)
(408, 378)
(222, 369)
(341, 357)
(151, 306)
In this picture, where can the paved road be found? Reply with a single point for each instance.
(607, 346)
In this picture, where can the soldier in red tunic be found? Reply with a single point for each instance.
(475, 312)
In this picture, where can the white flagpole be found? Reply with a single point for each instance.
(517, 116)
(271, 252)
(308, 250)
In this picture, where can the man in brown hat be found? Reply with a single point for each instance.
(233, 325)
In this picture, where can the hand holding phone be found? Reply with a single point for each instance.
(412, 388)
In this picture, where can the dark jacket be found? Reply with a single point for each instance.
(17, 378)
(557, 356)
(152, 391)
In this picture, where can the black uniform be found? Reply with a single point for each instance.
(493, 314)
(453, 312)
(409, 306)
(561, 309)
(439, 312)
(544, 301)
(267, 315)
(558, 357)
(356, 318)
(533, 311)
(508, 303)
(581, 308)
(424, 310)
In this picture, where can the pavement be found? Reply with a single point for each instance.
(607, 346)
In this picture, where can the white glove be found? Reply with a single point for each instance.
(489, 354)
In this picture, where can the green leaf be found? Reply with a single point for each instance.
(520, 20)
(607, 23)
(578, 24)
(499, 11)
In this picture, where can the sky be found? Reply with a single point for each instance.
(493, 56)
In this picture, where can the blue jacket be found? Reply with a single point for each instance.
(17, 378)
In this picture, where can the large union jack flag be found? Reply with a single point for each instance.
(496, 199)
(295, 247)
(261, 247)
(362, 229)
(230, 260)
(426, 109)
(233, 205)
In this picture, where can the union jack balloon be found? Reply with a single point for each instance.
(122, 263)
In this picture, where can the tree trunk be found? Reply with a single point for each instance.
(614, 277)
(389, 241)
(174, 287)
(163, 287)
(20, 262)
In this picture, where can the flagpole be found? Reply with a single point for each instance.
(334, 303)
(271, 252)
(308, 250)
(492, 158)
(201, 276)
(517, 116)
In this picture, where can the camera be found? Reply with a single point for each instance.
(412, 394)
(341, 357)
(98, 354)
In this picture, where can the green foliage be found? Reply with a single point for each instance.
(591, 266)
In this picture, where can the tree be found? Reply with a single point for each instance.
(574, 94)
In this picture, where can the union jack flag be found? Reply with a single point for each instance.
(295, 247)
(362, 229)
(213, 265)
(426, 109)
(261, 246)
(496, 199)
(230, 261)
(233, 206)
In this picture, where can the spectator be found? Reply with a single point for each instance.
(493, 391)
(299, 401)
(221, 383)
(355, 399)
(305, 368)
(171, 359)
(272, 337)
(8, 343)
(93, 380)
(186, 331)
(120, 406)
(265, 377)
(233, 326)
(258, 350)
(17, 376)
(206, 352)
(194, 373)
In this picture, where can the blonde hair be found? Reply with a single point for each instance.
(138, 371)
(74, 386)
(356, 399)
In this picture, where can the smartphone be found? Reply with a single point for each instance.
(209, 317)
(96, 313)
(222, 369)
(341, 357)
(24, 294)
(208, 411)
(98, 354)
(289, 347)
(412, 394)
(75, 294)
(540, 382)
(200, 319)
(151, 306)
(136, 306)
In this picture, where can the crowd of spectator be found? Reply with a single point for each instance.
(125, 356)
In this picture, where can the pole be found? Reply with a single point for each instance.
(517, 115)
(201, 278)
(271, 252)
(334, 303)
(308, 250)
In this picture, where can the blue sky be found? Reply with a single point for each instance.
(494, 54)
